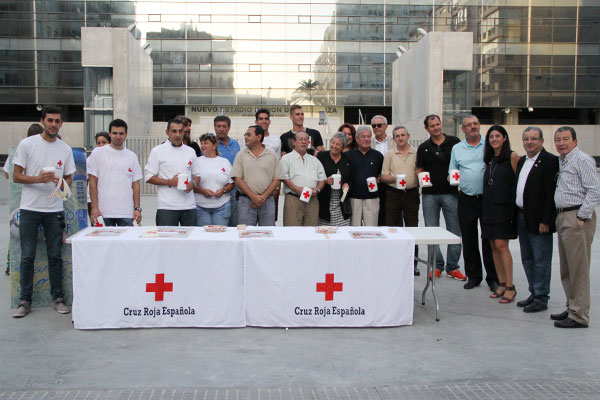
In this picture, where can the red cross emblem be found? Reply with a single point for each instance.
(402, 182)
(371, 186)
(130, 170)
(329, 287)
(159, 287)
(59, 163)
(186, 182)
(223, 169)
(456, 176)
(190, 163)
(340, 181)
(306, 194)
(426, 178)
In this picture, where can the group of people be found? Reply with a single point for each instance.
(355, 183)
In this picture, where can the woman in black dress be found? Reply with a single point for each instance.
(331, 210)
(497, 223)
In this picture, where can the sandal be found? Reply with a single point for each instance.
(505, 299)
(497, 294)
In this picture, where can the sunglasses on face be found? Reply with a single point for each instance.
(377, 125)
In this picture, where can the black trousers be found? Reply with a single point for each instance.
(469, 212)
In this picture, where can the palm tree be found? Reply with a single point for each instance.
(306, 90)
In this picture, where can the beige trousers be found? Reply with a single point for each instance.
(574, 249)
(364, 211)
(299, 213)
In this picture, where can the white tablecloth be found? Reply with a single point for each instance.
(111, 274)
(295, 278)
(289, 277)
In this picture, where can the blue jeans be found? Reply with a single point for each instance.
(53, 224)
(262, 216)
(214, 216)
(448, 204)
(233, 214)
(118, 221)
(536, 257)
(176, 217)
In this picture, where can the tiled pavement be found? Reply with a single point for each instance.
(550, 389)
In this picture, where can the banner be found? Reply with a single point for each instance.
(133, 282)
(75, 219)
(300, 278)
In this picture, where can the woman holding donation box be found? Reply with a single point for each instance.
(339, 179)
(213, 197)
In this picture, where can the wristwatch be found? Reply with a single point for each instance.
(137, 209)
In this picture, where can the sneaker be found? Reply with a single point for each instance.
(456, 274)
(438, 272)
(23, 309)
(59, 305)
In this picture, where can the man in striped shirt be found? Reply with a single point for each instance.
(577, 193)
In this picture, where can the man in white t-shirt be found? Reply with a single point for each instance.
(39, 164)
(263, 119)
(166, 162)
(115, 175)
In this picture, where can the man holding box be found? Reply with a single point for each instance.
(467, 158)
(173, 167)
(433, 156)
(402, 199)
(39, 164)
(304, 178)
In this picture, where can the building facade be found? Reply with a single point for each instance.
(535, 62)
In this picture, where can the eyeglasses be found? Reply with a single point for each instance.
(377, 125)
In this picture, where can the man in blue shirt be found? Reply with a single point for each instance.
(228, 148)
(467, 157)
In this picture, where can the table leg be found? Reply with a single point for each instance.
(431, 279)
(435, 299)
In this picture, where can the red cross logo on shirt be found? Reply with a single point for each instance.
(129, 170)
(402, 182)
(59, 163)
(306, 194)
(223, 169)
(456, 176)
(371, 186)
(159, 287)
(329, 287)
(426, 178)
(190, 163)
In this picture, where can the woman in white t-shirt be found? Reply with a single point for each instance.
(213, 197)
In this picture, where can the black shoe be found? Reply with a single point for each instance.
(417, 272)
(526, 302)
(493, 286)
(471, 284)
(535, 306)
(559, 317)
(569, 323)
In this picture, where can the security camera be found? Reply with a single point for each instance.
(422, 31)
(131, 28)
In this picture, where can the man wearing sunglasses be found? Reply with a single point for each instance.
(382, 143)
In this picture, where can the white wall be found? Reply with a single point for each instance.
(417, 77)
(132, 73)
